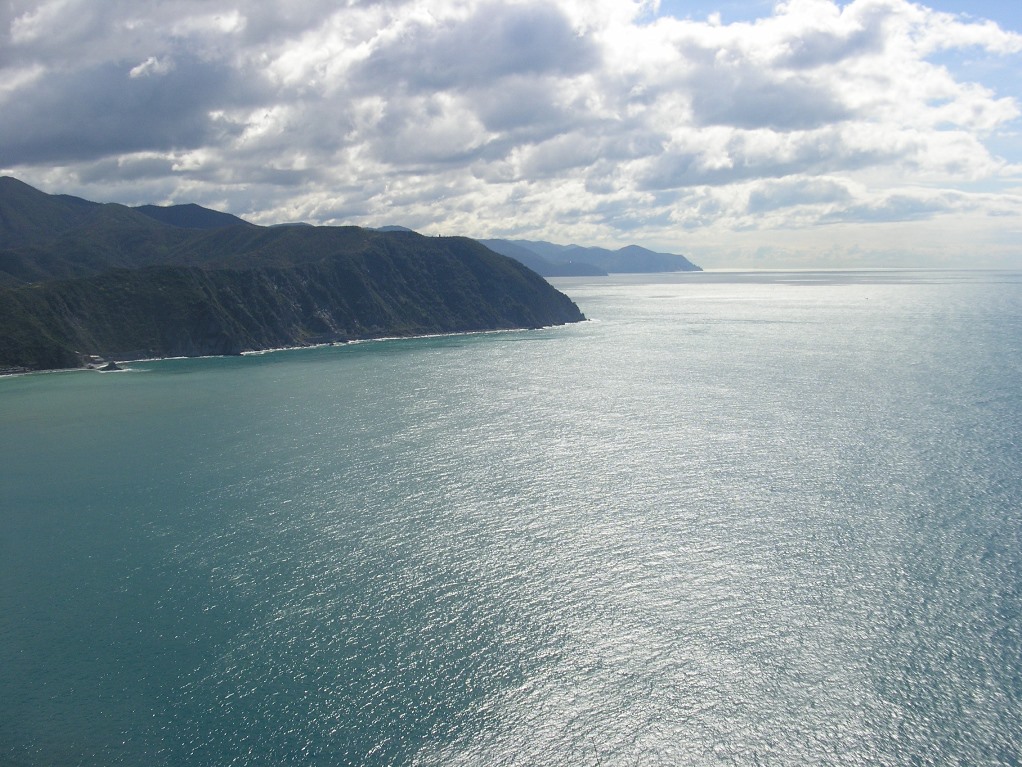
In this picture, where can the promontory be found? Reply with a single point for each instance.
(81, 280)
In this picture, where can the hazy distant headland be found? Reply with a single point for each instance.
(82, 281)
(552, 260)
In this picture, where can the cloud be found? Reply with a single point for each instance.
(898, 206)
(152, 66)
(793, 191)
(497, 41)
(750, 99)
(105, 111)
(595, 121)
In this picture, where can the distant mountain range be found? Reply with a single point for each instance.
(82, 281)
(551, 260)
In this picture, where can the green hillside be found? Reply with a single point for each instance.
(84, 279)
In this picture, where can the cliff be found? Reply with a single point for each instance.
(80, 279)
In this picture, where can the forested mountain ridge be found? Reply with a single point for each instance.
(80, 279)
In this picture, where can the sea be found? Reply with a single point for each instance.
(735, 518)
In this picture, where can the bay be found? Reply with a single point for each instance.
(736, 518)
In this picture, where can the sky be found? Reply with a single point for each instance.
(741, 133)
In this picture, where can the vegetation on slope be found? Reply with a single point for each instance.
(115, 282)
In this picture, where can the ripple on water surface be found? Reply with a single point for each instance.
(739, 519)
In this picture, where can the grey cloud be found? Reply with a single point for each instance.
(270, 20)
(24, 36)
(786, 193)
(727, 87)
(498, 41)
(822, 47)
(669, 171)
(125, 28)
(500, 111)
(749, 99)
(282, 178)
(529, 107)
(127, 169)
(630, 140)
(91, 113)
(87, 33)
(565, 152)
(602, 178)
(816, 152)
(626, 216)
(896, 207)
(695, 210)
(421, 133)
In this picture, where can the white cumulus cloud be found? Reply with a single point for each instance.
(599, 122)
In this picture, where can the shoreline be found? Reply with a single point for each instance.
(94, 368)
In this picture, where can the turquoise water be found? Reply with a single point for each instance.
(737, 518)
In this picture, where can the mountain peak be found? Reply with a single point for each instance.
(31, 215)
(190, 216)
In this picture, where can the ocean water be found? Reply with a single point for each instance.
(735, 519)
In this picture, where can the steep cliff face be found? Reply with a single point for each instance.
(119, 284)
